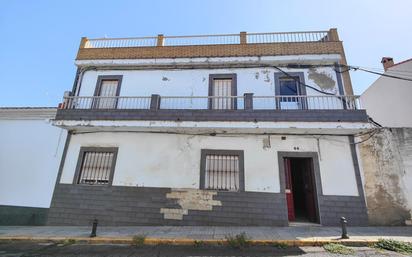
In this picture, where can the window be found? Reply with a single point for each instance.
(96, 165)
(289, 86)
(290, 91)
(221, 89)
(108, 88)
(222, 170)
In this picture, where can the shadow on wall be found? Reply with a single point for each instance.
(22, 216)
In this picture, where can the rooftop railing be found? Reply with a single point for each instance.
(247, 102)
(223, 39)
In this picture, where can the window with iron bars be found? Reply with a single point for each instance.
(96, 165)
(222, 170)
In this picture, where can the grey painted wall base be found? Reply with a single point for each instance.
(126, 206)
(214, 115)
(332, 208)
(123, 206)
(22, 216)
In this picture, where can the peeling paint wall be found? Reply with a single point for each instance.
(259, 81)
(173, 161)
(189, 199)
(386, 161)
(323, 80)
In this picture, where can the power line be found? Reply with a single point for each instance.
(348, 68)
(378, 73)
(301, 83)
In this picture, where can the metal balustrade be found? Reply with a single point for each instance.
(106, 102)
(318, 102)
(222, 39)
(120, 42)
(202, 102)
(285, 37)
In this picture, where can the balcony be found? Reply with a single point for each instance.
(249, 108)
(226, 45)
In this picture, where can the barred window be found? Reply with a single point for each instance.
(222, 170)
(96, 165)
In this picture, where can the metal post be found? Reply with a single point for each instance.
(94, 228)
(343, 222)
(248, 101)
(155, 102)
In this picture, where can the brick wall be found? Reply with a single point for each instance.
(230, 50)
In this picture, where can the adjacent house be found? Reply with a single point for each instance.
(387, 155)
(239, 129)
(30, 154)
(387, 89)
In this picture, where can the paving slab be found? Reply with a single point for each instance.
(293, 233)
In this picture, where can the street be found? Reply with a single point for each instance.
(79, 249)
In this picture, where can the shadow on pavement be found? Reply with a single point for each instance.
(36, 249)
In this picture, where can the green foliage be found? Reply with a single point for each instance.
(69, 241)
(198, 243)
(394, 245)
(338, 248)
(138, 240)
(239, 241)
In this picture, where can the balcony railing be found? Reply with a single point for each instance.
(223, 39)
(247, 102)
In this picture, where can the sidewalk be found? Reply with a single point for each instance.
(298, 235)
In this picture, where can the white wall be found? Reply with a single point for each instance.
(30, 154)
(387, 100)
(259, 81)
(165, 160)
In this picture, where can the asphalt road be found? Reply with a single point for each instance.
(48, 249)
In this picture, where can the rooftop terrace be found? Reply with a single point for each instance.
(226, 45)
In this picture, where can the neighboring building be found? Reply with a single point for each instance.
(30, 154)
(386, 157)
(210, 130)
(387, 99)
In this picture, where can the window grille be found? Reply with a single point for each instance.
(222, 172)
(96, 167)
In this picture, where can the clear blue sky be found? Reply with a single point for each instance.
(39, 39)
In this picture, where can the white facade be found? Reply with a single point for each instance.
(195, 82)
(173, 160)
(30, 154)
(387, 100)
(170, 160)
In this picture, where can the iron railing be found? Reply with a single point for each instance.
(286, 37)
(222, 39)
(318, 102)
(106, 102)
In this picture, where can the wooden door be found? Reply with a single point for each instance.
(289, 189)
(222, 92)
(108, 91)
(310, 192)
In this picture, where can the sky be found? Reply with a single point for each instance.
(39, 39)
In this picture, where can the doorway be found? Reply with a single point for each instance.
(300, 189)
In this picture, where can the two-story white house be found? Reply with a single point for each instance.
(241, 129)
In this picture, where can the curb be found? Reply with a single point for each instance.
(188, 241)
